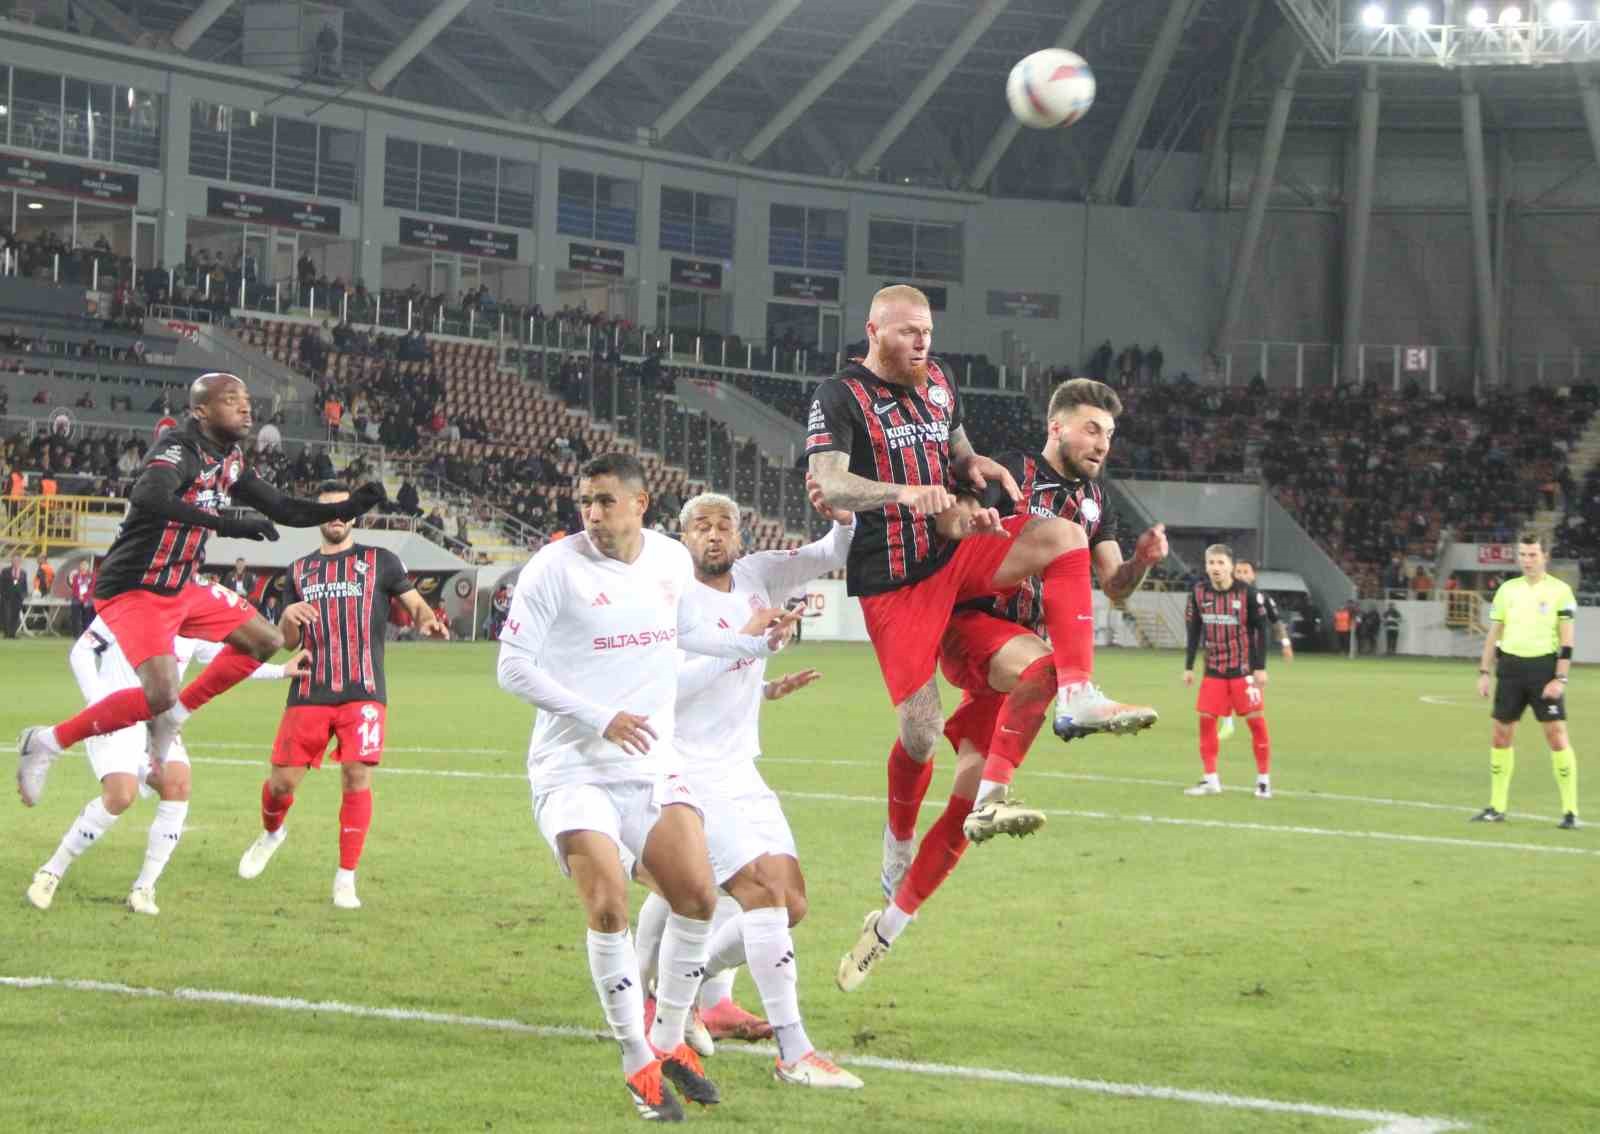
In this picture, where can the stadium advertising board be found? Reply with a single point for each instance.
(279, 212)
(937, 296)
(1497, 555)
(489, 243)
(72, 180)
(696, 273)
(1025, 304)
(596, 260)
(794, 285)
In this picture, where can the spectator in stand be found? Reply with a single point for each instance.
(240, 581)
(406, 500)
(1421, 582)
(44, 577)
(80, 589)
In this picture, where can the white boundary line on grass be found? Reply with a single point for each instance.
(1390, 1122)
(1173, 821)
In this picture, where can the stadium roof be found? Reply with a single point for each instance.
(612, 67)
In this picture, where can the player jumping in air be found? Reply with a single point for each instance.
(146, 591)
(1229, 617)
(885, 440)
(993, 654)
(336, 603)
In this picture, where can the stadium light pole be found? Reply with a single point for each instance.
(1071, 32)
(931, 80)
(736, 54)
(1137, 112)
(1478, 200)
(1256, 214)
(1358, 228)
(421, 36)
(825, 78)
(198, 23)
(1589, 96)
(603, 64)
(440, 60)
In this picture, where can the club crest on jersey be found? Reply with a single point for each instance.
(940, 397)
(369, 712)
(361, 568)
(1090, 511)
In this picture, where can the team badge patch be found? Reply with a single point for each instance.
(939, 396)
(1090, 511)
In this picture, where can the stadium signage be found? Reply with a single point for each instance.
(278, 212)
(937, 296)
(696, 273)
(1025, 304)
(794, 285)
(73, 180)
(489, 243)
(596, 260)
(1497, 555)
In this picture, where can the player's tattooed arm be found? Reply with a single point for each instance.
(1119, 578)
(844, 490)
(978, 470)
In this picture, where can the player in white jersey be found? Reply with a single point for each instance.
(592, 640)
(122, 765)
(753, 854)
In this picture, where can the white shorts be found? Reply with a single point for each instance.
(742, 824)
(127, 751)
(623, 812)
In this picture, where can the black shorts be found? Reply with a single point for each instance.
(1519, 685)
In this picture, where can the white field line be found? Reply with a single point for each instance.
(1031, 773)
(1389, 1122)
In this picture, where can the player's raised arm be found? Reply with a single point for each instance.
(1119, 578)
(534, 606)
(293, 512)
(159, 490)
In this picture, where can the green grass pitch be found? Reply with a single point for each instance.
(1352, 945)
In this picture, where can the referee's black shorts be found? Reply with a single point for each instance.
(1519, 685)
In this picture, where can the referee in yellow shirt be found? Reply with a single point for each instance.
(1531, 631)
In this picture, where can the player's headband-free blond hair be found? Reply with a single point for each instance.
(896, 293)
(1220, 549)
(713, 501)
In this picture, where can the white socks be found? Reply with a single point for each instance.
(615, 969)
(91, 823)
(987, 790)
(165, 831)
(769, 948)
(651, 924)
(718, 985)
(685, 948)
(892, 922)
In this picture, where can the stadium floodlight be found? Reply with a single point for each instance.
(1477, 17)
(1511, 14)
(1419, 17)
(1373, 16)
(1558, 12)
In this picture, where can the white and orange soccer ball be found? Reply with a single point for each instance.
(1053, 87)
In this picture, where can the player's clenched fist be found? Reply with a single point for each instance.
(926, 499)
(630, 733)
(299, 614)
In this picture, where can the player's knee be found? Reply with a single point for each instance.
(920, 738)
(609, 917)
(1059, 536)
(696, 903)
(117, 793)
(160, 695)
(265, 643)
(797, 908)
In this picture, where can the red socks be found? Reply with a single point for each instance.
(1259, 741)
(226, 670)
(1021, 714)
(908, 783)
(937, 856)
(1069, 615)
(273, 808)
(119, 710)
(1208, 744)
(355, 817)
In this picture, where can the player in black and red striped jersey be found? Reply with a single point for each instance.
(146, 590)
(992, 650)
(1245, 571)
(336, 605)
(885, 440)
(1229, 617)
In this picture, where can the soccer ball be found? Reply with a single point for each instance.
(1049, 88)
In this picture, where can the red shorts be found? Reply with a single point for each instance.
(907, 624)
(1221, 696)
(305, 730)
(145, 623)
(970, 643)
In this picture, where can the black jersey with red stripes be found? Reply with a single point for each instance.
(155, 554)
(1226, 624)
(896, 435)
(1045, 492)
(351, 590)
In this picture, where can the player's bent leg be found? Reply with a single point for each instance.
(1025, 669)
(675, 854)
(277, 796)
(99, 815)
(910, 772)
(166, 829)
